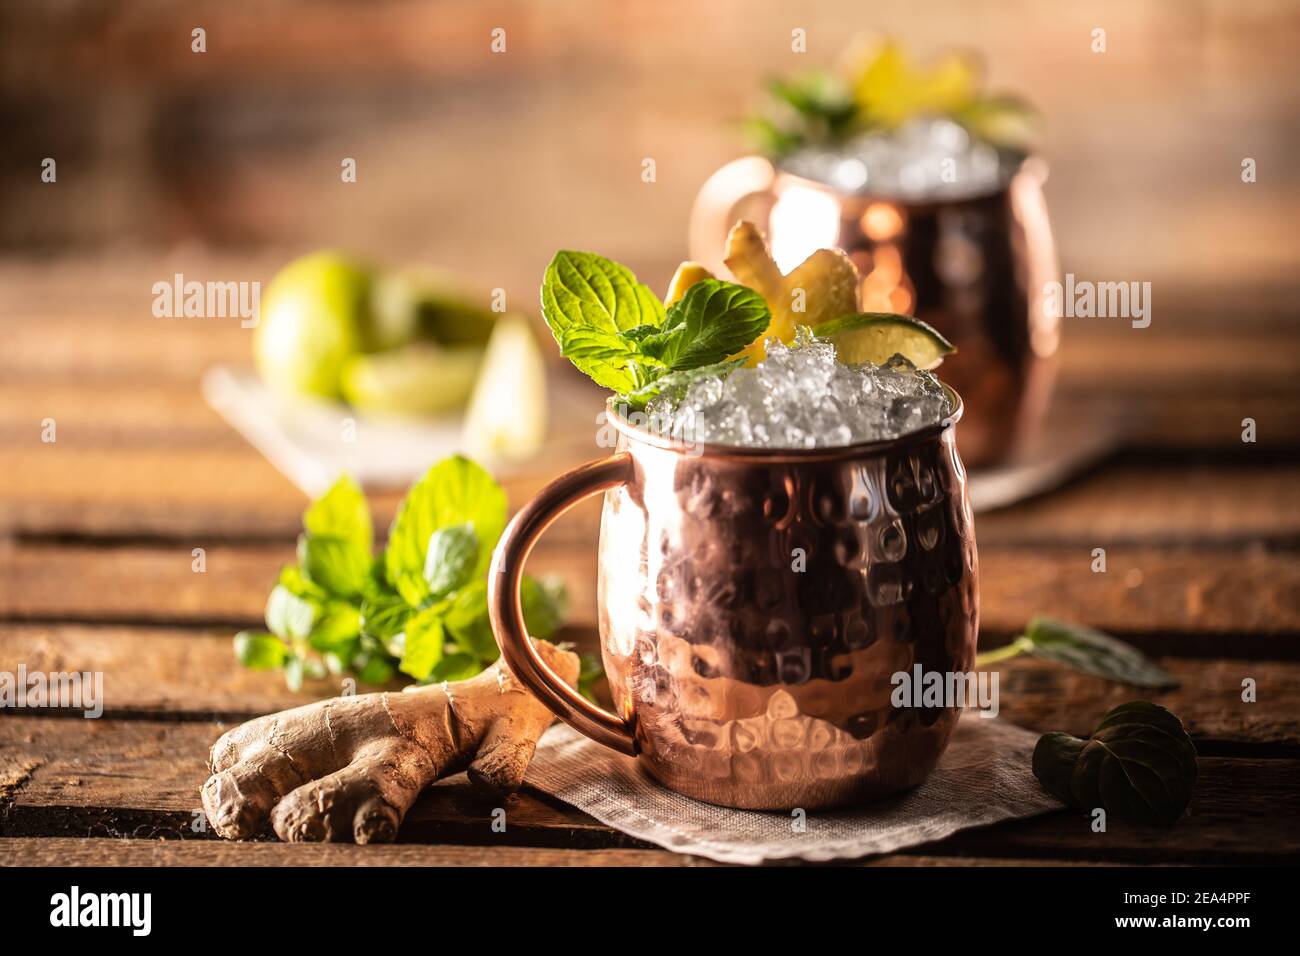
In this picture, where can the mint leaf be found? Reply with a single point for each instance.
(336, 628)
(1093, 652)
(341, 512)
(713, 320)
(607, 358)
(383, 618)
(588, 301)
(295, 580)
(259, 651)
(372, 668)
(467, 622)
(289, 616)
(293, 673)
(455, 491)
(422, 649)
(544, 605)
(452, 555)
(340, 566)
(584, 289)
(590, 671)
(676, 382)
(468, 625)
(455, 667)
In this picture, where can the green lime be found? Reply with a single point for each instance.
(877, 337)
(418, 379)
(507, 414)
(312, 317)
(419, 303)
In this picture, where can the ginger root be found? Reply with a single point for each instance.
(822, 287)
(349, 768)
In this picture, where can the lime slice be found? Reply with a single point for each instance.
(877, 337)
(507, 413)
(419, 379)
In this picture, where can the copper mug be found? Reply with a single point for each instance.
(975, 267)
(754, 605)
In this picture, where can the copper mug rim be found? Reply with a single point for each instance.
(778, 455)
(1027, 163)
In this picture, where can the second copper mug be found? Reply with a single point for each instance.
(975, 267)
(754, 605)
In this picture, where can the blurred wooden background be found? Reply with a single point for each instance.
(222, 165)
(486, 163)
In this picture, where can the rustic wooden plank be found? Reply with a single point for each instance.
(141, 779)
(186, 674)
(1235, 592)
(155, 583)
(228, 494)
(1242, 811)
(107, 851)
(1044, 696)
(91, 851)
(172, 673)
(111, 413)
(1132, 504)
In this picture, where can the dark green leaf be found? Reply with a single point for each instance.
(544, 605)
(714, 320)
(452, 557)
(453, 492)
(590, 671)
(260, 651)
(1094, 653)
(1139, 764)
(1053, 763)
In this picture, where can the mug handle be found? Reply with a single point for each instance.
(506, 609)
(712, 214)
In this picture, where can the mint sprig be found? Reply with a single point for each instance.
(418, 607)
(617, 332)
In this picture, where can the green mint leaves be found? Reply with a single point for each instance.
(616, 331)
(1083, 649)
(1139, 764)
(453, 493)
(419, 607)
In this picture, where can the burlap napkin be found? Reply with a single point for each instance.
(982, 778)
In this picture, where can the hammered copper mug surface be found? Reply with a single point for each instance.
(754, 605)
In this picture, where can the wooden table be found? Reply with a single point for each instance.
(97, 529)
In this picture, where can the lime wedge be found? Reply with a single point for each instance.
(419, 379)
(877, 337)
(507, 412)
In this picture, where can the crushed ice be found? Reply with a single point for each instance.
(802, 397)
